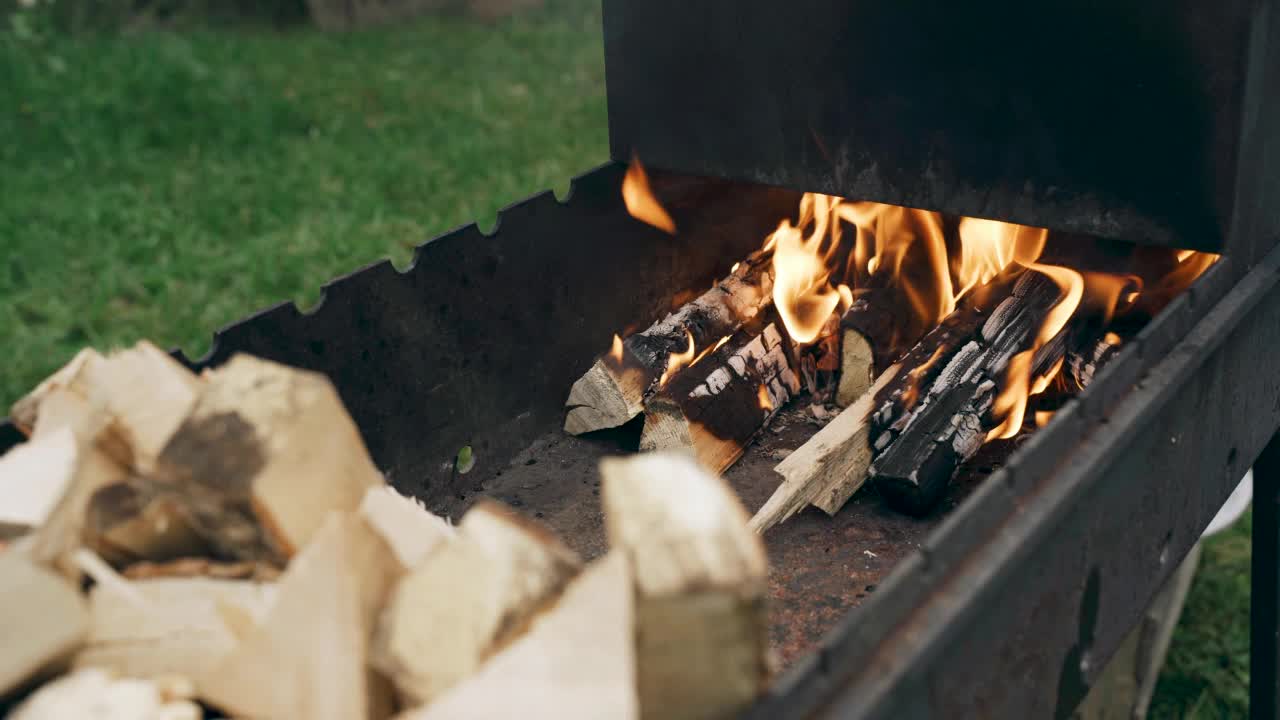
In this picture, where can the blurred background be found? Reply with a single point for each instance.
(169, 166)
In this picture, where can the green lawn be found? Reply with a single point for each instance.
(161, 185)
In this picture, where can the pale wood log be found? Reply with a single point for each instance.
(35, 475)
(308, 657)
(613, 390)
(829, 468)
(405, 523)
(165, 626)
(700, 585)
(262, 458)
(501, 571)
(43, 620)
(95, 694)
(577, 662)
(716, 407)
(26, 410)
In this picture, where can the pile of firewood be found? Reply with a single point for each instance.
(183, 546)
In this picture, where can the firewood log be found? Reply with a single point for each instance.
(970, 348)
(35, 475)
(43, 620)
(26, 410)
(577, 662)
(308, 657)
(613, 390)
(134, 521)
(918, 449)
(100, 695)
(165, 626)
(715, 408)
(262, 458)
(875, 330)
(405, 523)
(700, 579)
(500, 572)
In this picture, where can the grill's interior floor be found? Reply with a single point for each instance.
(820, 567)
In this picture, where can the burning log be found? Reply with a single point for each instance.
(874, 331)
(500, 572)
(699, 576)
(925, 414)
(717, 406)
(613, 391)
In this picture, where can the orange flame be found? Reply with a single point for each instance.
(912, 392)
(1111, 338)
(1012, 401)
(766, 403)
(1043, 417)
(615, 352)
(640, 201)
(681, 360)
(801, 291)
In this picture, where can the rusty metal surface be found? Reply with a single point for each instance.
(1126, 119)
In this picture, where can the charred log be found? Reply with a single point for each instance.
(613, 391)
(717, 406)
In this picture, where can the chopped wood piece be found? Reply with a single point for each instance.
(43, 620)
(63, 412)
(199, 567)
(95, 694)
(163, 626)
(613, 390)
(135, 521)
(917, 450)
(35, 475)
(405, 523)
(500, 572)
(828, 469)
(577, 662)
(700, 585)
(308, 657)
(263, 457)
(27, 409)
(874, 333)
(714, 408)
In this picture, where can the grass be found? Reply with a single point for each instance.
(161, 185)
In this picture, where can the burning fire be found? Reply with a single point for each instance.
(817, 272)
(765, 402)
(640, 201)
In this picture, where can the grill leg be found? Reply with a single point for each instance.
(1264, 606)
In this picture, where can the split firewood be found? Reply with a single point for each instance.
(577, 662)
(613, 390)
(918, 447)
(971, 347)
(97, 694)
(468, 599)
(405, 523)
(828, 469)
(35, 475)
(700, 579)
(874, 334)
(26, 410)
(143, 393)
(715, 408)
(161, 626)
(308, 658)
(262, 458)
(135, 521)
(43, 620)
(65, 415)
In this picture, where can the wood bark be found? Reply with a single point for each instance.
(132, 521)
(613, 391)
(716, 407)
(918, 449)
(265, 454)
(700, 582)
(500, 572)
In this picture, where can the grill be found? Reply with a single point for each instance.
(1134, 121)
